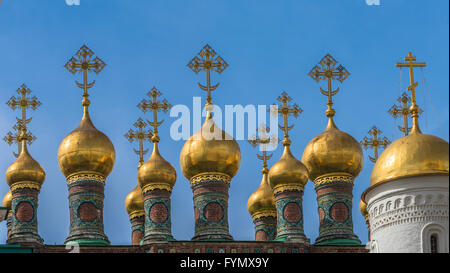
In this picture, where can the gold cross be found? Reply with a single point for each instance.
(155, 106)
(23, 102)
(285, 110)
(82, 61)
(140, 135)
(11, 138)
(263, 140)
(374, 142)
(404, 111)
(329, 72)
(205, 61)
(415, 111)
(411, 64)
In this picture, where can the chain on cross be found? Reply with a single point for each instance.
(374, 142)
(83, 61)
(328, 71)
(140, 135)
(263, 140)
(403, 111)
(207, 61)
(286, 111)
(154, 106)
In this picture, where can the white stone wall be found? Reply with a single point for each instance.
(404, 213)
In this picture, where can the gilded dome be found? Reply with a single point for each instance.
(134, 202)
(157, 171)
(333, 151)
(86, 149)
(7, 200)
(288, 171)
(25, 169)
(204, 153)
(363, 209)
(412, 155)
(262, 199)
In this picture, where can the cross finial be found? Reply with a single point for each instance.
(263, 140)
(11, 138)
(375, 142)
(155, 106)
(140, 135)
(328, 71)
(403, 111)
(83, 61)
(23, 102)
(207, 61)
(415, 111)
(286, 111)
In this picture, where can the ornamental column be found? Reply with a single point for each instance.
(287, 178)
(156, 179)
(6, 203)
(209, 159)
(25, 178)
(86, 157)
(134, 202)
(334, 159)
(261, 204)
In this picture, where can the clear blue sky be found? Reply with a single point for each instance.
(270, 47)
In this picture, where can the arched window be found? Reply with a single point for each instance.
(434, 243)
(434, 238)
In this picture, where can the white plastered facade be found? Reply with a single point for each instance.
(405, 213)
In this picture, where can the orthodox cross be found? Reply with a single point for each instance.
(140, 135)
(286, 111)
(329, 72)
(23, 102)
(415, 111)
(83, 61)
(375, 142)
(403, 111)
(155, 106)
(205, 61)
(263, 140)
(411, 64)
(11, 138)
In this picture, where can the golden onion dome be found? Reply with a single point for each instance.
(86, 149)
(157, 171)
(363, 209)
(25, 169)
(333, 151)
(7, 200)
(211, 152)
(262, 199)
(134, 203)
(413, 155)
(288, 171)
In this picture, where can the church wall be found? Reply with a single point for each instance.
(404, 213)
(207, 247)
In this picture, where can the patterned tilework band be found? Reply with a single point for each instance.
(86, 197)
(290, 216)
(265, 228)
(24, 226)
(211, 207)
(334, 197)
(9, 226)
(137, 230)
(157, 216)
